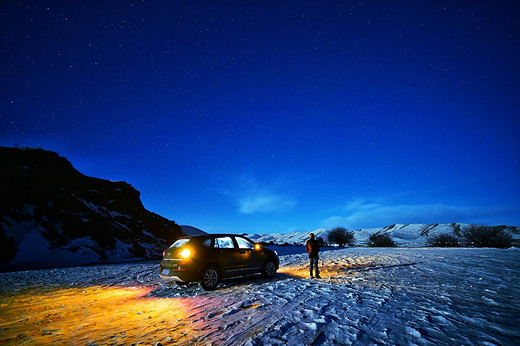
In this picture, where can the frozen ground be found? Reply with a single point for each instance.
(367, 296)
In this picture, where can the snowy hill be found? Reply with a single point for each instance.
(403, 235)
(52, 215)
(288, 238)
(191, 231)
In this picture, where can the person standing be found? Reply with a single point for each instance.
(313, 249)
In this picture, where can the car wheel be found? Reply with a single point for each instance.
(269, 269)
(210, 278)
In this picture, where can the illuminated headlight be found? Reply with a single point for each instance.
(185, 253)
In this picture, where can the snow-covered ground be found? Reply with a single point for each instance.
(421, 296)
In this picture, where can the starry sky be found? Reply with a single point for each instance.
(276, 116)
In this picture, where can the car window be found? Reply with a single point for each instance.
(180, 242)
(207, 242)
(224, 243)
(244, 244)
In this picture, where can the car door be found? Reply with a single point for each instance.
(252, 260)
(228, 256)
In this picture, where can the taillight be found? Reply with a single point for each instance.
(186, 253)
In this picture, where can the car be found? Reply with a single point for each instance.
(210, 258)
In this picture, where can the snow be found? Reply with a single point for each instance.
(409, 235)
(34, 249)
(24, 228)
(191, 231)
(418, 296)
(115, 214)
(288, 238)
(85, 241)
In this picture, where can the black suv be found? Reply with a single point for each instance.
(211, 257)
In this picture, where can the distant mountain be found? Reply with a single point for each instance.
(403, 235)
(191, 231)
(52, 215)
(288, 238)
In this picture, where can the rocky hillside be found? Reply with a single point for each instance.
(52, 215)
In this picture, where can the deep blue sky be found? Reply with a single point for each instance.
(262, 116)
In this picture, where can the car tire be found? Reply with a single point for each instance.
(209, 278)
(269, 270)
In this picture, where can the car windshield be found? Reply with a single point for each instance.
(180, 242)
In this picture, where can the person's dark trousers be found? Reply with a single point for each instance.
(314, 264)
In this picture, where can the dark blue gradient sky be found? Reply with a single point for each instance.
(262, 116)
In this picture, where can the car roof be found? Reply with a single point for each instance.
(217, 235)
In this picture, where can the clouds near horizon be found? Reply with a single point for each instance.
(365, 214)
(265, 202)
(253, 195)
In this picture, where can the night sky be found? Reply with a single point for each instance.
(263, 116)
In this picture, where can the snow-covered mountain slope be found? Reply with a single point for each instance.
(403, 235)
(287, 238)
(191, 231)
(52, 215)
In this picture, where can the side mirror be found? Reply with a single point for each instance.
(258, 247)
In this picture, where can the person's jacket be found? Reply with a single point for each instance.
(312, 248)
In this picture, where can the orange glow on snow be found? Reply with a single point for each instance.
(133, 315)
(327, 270)
(101, 315)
